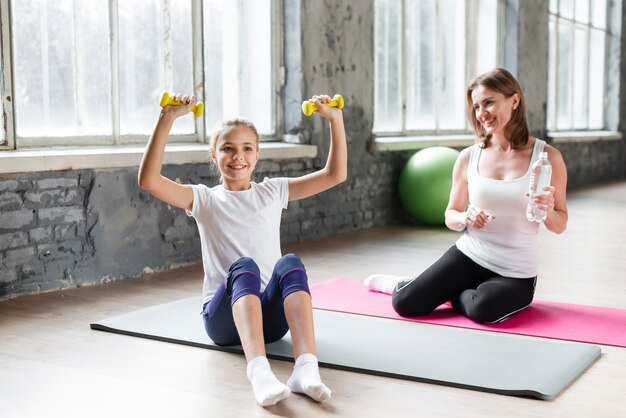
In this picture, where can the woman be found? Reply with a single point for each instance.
(491, 271)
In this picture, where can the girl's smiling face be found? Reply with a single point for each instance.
(236, 154)
(492, 109)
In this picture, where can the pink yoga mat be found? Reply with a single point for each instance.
(590, 324)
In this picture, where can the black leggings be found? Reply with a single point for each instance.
(477, 293)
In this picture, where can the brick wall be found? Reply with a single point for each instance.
(65, 229)
(72, 228)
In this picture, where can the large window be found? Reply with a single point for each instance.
(425, 54)
(238, 61)
(92, 72)
(62, 68)
(576, 81)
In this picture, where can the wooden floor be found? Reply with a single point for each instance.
(53, 365)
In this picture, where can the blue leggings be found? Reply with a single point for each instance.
(244, 279)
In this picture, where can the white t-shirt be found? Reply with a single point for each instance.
(234, 224)
(508, 244)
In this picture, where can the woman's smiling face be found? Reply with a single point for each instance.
(492, 109)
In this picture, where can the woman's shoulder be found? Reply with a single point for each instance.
(550, 149)
(553, 153)
(465, 153)
(463, 160)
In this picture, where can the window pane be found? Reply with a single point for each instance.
(61, 50)
(93, 67)
(582, 11)
(598, 14)
(576, 77)
(579, 91)
(486, 28)
(564, 83)
(596, 80)
(452, 71)
(256, 98)
(428, 75)
(152, 61)
(566, 8)
(388, 65)
(239, 62)
(213, 87)
(181, 62)
(419, 66)
(141, 68)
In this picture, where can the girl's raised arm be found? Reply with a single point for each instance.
(150, 178)
(336, 169)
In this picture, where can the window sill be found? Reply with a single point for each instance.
(37, 160)
(584, 136)
(407, 143)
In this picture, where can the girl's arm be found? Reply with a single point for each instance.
(336, 169)
(554, 201)
(150, 178)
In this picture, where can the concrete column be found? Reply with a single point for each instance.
(526, 45)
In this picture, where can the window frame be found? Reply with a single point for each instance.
(428, 136)
(552, 119)
(116, 139)
(6, 80)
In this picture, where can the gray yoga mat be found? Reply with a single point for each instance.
(458, 357)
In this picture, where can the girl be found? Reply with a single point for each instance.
(252, 295)
(491, 271)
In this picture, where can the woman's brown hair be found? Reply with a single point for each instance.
(502, 81)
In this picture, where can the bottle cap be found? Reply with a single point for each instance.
(543, 155)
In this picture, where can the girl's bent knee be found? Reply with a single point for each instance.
(245, 264)
(293, 281)
(288, 262)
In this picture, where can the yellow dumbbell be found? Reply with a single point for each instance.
(308, 108)
(167, 99)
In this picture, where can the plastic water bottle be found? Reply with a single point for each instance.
(540, 176)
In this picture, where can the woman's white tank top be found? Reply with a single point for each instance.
(508, 244)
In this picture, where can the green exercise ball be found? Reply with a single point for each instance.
(425, 184)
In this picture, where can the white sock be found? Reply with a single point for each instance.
(268, 390)
(306, 378)
(383, 283)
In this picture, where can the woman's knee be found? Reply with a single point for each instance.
(410, 306)
(483, 310)
(491, 303)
